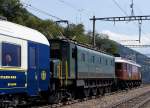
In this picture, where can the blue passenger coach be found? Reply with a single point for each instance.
(24, 60)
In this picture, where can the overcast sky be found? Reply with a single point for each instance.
(79, 11)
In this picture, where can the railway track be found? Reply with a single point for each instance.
(71, 102)
(134, 102)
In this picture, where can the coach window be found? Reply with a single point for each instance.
(11, 55)
(32, 55)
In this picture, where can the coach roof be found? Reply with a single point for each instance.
(21, 32)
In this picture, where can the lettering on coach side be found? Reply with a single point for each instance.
(12, 84)
(7, 77)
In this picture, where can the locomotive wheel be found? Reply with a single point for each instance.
(87, 92)
(73, 96)
(94, 91)
(101, 91)
(107, 89)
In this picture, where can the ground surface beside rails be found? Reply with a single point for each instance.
(110, 101)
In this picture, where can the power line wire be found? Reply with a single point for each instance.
(85, 11)
(48, 14)
(70, 5)
(117, 4)
(41, 11)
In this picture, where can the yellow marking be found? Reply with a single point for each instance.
(12, 69)
(60, 73)
(7, 77)
(66, 72)
(12, 84)
(43, 75)
(61, 80)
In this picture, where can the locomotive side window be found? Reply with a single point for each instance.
(111, 62)
(93, 59)
(125, 66)
(73, 52)
(100, 60)
(83, 57)
(118, 66)
(106, 62)
(11, 55)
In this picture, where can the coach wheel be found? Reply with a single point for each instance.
(15, 102)
(54, 98)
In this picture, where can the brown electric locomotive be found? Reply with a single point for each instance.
(127, 73)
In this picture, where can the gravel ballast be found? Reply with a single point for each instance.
(109, 100)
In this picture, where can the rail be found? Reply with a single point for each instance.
(134, 102)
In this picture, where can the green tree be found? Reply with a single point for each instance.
(15, 12)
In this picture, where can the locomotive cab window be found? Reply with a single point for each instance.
(11, 55)
(55, 50)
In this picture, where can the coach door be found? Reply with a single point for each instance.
(33, 69)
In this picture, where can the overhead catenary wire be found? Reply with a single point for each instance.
(117, 4)
(132, 12)
(80, 10)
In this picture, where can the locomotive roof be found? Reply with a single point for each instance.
(82, 45)
(18, 31)
(121, 60)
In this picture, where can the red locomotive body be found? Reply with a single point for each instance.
(127, 72)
